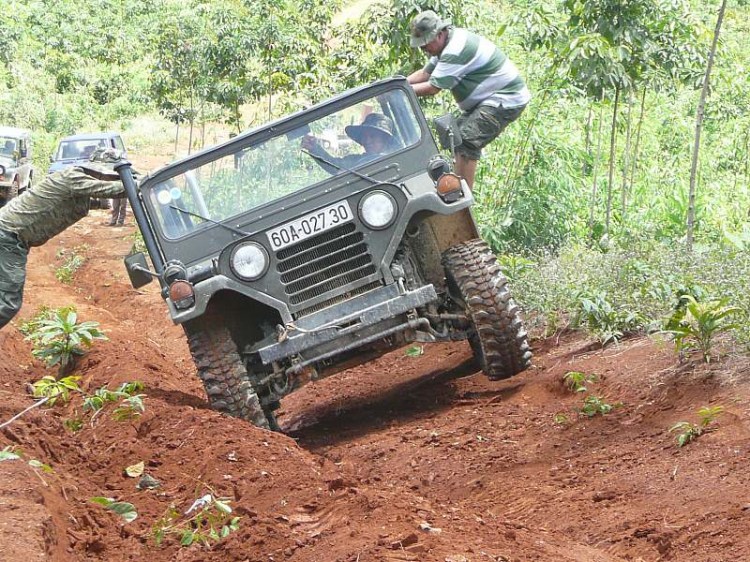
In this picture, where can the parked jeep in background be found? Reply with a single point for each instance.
(76, 149)
(284, 265)
(16, 172)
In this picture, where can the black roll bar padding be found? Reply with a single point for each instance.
(126, 176)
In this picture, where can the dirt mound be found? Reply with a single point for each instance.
(408, 458)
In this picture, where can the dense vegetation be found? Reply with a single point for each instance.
(587, 196)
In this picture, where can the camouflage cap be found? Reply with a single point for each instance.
(106, 155)
(425, 26)
(101, 162)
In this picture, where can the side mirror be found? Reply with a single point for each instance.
(51, 159)
(448, 132)
(138, 270)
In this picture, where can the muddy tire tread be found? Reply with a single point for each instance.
(499, 340)
(223, 374)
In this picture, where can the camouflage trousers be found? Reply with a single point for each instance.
(482, 125)
(13, 255)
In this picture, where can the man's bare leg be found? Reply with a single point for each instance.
(466, 168)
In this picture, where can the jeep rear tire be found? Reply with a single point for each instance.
(223, 373)
(497, 336)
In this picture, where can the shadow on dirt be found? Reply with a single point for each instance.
(428, 394)
(179, 398)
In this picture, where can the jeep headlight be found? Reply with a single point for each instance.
(249, 261)
(2, 170)
(377, 210)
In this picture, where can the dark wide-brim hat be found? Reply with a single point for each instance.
(425, 26)
(373, 122)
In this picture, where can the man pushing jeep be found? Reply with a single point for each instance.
(59, 201)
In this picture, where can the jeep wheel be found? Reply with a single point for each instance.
(223, 374)
(12, 191)
(497, 336)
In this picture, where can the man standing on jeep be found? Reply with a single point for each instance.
(484, 82)
(37, 215)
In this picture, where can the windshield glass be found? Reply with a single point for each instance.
(253, 176)
(77, 149)
(8, 148)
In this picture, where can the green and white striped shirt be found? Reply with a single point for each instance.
(477, 72)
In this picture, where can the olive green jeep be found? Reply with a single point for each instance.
(319, 242)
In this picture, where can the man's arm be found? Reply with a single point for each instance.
(82, 183)
(419, 80)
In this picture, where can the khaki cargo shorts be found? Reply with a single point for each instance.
(483, 125)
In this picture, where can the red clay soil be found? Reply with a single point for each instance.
(403, 459)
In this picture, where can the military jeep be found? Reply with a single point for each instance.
(285, 265)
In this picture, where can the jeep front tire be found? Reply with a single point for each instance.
(222, 371)
(497, 335)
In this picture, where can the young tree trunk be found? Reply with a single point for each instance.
(626, 157)
(634, 164)
(177, 135)
(192, 123)
(612, 143)
(589, 122)
(699, 126)
(596, 168)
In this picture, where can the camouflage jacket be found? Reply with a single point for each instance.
(54, 204)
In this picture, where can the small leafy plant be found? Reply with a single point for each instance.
(595, 405)
(414, 351)
(73, 260)
(603, 320)
(130, 409)
(131, 406)
(54, 389)
(126, 510)
(687, 432)
(208, 520)
(103, 395)
(576, 381)
(700, 322)
(60, 339)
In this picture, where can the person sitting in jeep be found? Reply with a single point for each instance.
(9, 148)
(375, 134)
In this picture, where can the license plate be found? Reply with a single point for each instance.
(309, 225)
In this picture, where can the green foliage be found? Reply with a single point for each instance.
(130, 408)
(59, 339)
(102, 396)
(125, 510)
(55, 389)
(207, 521)
(700, 322)
(595, 405)
(10, 453)
(73, 260)
(604, 320)
(73, 425)
(14, 453)
(576, 381)
(687, 432)
(414, 351)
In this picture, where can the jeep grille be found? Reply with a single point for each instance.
(324, 263)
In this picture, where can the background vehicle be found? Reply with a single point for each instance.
(77, 148)
(283, 268)
(16, 171)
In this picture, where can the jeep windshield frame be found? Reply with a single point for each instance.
(239, 179)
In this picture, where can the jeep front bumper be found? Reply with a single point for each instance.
(336, 329)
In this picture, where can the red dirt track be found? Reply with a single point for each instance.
(418, 459)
